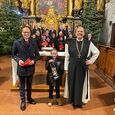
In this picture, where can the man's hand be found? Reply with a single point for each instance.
(51, 60)
(21, 63)
(88, 62)
(31, 63)
(66, 71)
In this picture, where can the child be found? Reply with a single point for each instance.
(55, 69)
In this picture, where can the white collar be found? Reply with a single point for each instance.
(79, 40)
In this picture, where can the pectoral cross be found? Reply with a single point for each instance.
(79, 55)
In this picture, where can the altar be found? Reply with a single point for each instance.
(39, 79)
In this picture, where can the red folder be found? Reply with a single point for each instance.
(27, 62)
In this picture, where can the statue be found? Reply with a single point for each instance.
(77, 7)
(78, 4)
(100, 5)
(25, 4)
(26, 7)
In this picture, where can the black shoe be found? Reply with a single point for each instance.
(31, 101)
(79, 106)
(23, 105)
(74, 106)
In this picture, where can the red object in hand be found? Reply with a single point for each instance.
(61, 47)
(44, 43)
(27, 62)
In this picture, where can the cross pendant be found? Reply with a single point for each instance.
(79, 55)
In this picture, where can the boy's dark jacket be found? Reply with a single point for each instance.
(60, 70)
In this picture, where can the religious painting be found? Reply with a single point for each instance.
(60, 6)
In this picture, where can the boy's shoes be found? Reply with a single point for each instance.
(50, 103)
(23, 105)
(59, 102)
(31, 101)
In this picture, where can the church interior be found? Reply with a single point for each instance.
(58, 19)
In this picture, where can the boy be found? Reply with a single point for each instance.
(55, 69)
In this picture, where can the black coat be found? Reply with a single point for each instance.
(21, 51)
(60, 70)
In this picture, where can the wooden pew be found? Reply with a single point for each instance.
(106, 64)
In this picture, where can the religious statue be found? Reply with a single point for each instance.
(78, 4)
(100, 5)
(77, 7)
(25, 6)
(15, 3)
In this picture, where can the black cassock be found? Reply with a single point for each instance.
(77, 70)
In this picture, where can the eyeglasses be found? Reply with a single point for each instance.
(26, 32)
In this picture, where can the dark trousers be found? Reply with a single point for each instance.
(51, 88)
(25, 81)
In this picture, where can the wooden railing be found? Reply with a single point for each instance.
(106, 62)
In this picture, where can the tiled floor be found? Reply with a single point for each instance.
(101, 103)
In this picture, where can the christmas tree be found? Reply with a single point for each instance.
(92, 20)
(10, 24)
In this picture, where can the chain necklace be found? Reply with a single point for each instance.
(79, 51)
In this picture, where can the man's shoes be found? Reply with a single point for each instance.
(74, 106)
(23, 105)
(31, 101)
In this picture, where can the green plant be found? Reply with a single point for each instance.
(92, 21)
(10, 26)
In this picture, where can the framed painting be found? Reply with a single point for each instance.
(60, 6)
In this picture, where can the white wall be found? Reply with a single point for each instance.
(110, 18)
